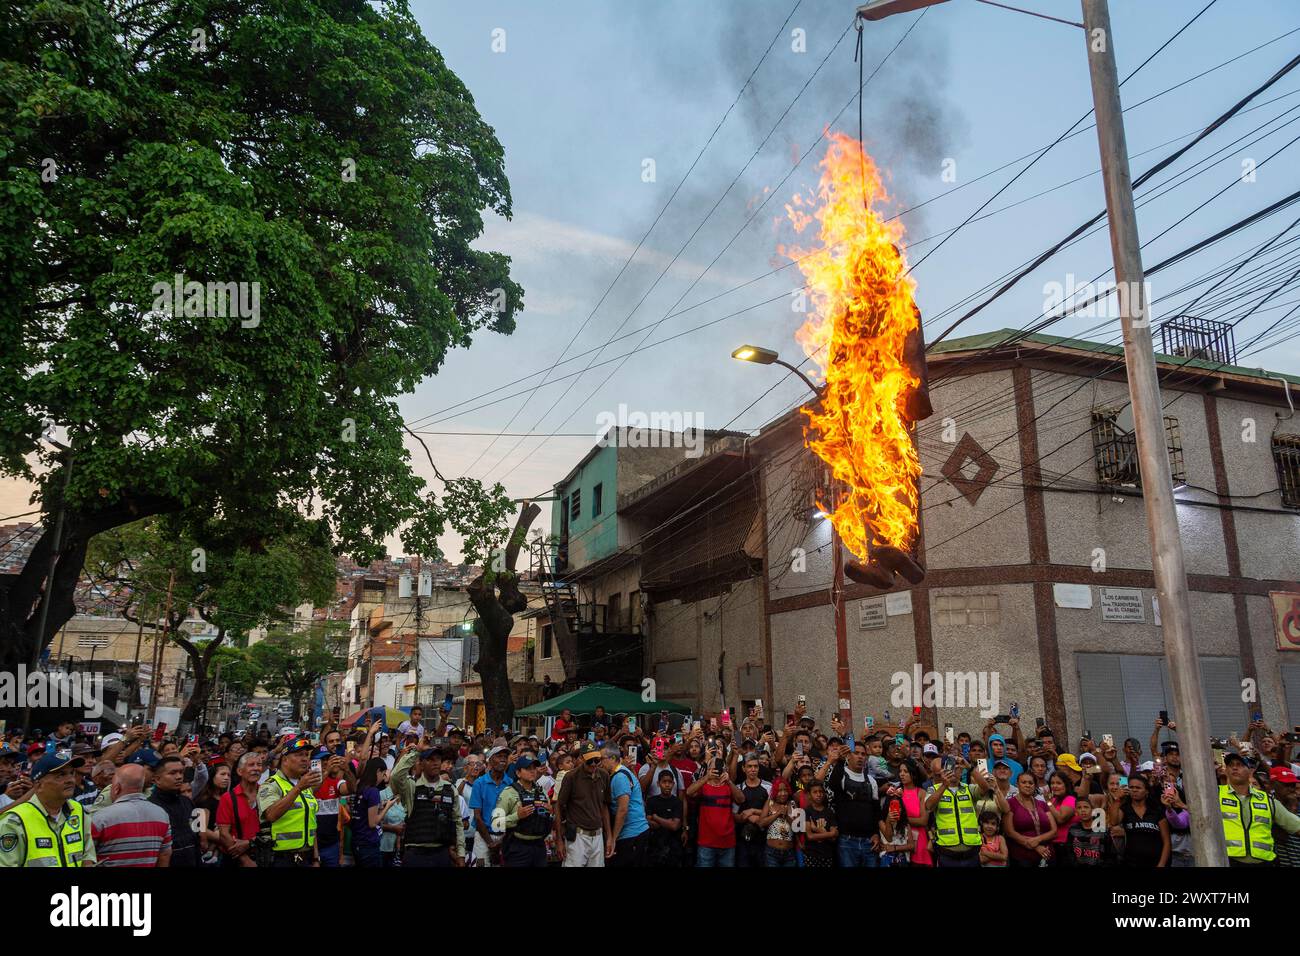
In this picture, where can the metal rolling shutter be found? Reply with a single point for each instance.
(1291, 688)
(1101, 692)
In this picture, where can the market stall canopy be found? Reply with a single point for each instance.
(615, 700)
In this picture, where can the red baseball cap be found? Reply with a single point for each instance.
(1281, 775)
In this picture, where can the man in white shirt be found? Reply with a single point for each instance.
(413, 726)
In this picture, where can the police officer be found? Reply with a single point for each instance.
(433, 835)
(524, 814)
(1249, 815)
(956, 826)
(48, 827)
(287, 802)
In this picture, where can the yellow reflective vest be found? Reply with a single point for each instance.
(296, 828)
(959, 826)
(44, 846)
(1254, 840)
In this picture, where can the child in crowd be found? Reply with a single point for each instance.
(993, 850)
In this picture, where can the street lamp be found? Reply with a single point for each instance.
(879, 9)
(761, 356)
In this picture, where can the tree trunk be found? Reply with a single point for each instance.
(497, 599)
(197, 705)
(20, 606)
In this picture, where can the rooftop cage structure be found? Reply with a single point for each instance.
(1189, 337)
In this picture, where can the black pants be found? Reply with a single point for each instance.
(523, 853)
(751, 853)
(631, 852)
(427, 856)
(293, 859)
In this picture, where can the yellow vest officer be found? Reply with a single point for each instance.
(288, 806)
(1247, 817)
(48, 829)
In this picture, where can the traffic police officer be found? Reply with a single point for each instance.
(1249, 815)
(957, 830)
(524, 814)
(288, 806)
(48, 827)
(433, 836)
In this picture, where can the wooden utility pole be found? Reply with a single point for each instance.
(1152, 445)
(160, 644)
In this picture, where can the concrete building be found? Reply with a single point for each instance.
(1034, 537)
(1033, 534)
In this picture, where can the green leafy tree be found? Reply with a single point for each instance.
(288, 663)
(320, 156)
(236, 587)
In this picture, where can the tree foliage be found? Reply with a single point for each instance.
(318, 151)
(286, 663)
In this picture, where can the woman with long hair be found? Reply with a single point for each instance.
(1146, 830)
(367, 811)
(912, 786)
(1061, 801)
(206, 802)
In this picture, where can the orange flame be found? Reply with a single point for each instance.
(862, 311)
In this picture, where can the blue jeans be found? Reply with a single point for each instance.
(329, 855)
(708, 856)
(857, 851)
(777, 857)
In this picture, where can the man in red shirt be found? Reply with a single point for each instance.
(237, 817)
(717, 824)
(562, 723)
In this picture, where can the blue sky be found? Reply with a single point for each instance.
(584, 92)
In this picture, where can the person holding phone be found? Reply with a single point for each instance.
(716, 842)
(287, 802)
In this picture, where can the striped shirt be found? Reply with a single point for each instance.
(131, 832)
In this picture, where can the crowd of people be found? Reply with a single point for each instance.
(637, 790)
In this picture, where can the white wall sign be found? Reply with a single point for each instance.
(1072, 595)
(1122, 604)
(898, 602)
(871, 613)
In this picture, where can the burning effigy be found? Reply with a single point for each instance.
(864, 334)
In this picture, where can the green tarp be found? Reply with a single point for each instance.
(615, 700)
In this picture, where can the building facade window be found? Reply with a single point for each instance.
(575, 505)
(547, 638)
(1286, 457)
(967, 610)
(615, 602)
(597, 494)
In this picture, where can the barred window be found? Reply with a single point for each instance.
(1286, 456)
(1115, 449)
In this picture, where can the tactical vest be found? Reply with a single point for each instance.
(538, 823)
(44, 846)
(296, 828)
(432, 820)
(1258, 843)
(958, 827)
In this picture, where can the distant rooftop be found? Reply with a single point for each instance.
(1015, 337)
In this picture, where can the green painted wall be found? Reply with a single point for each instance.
(591, 537)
